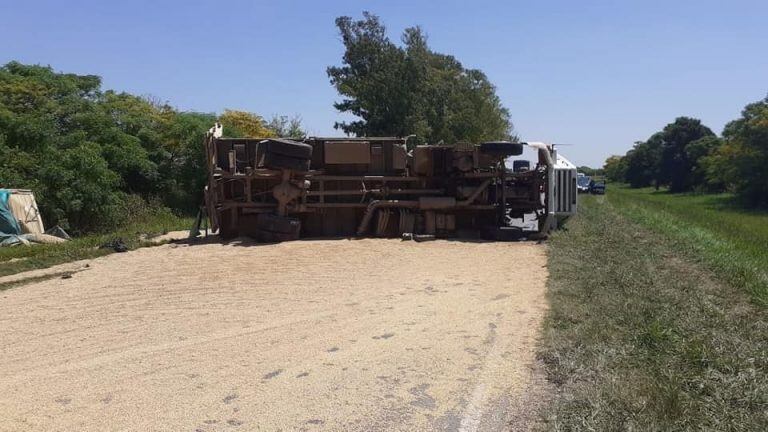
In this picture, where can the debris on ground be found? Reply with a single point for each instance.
(118, 245)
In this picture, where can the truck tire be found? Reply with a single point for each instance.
(501, 148)
(226, 231)
(292, 149)
(278, 224)
(279, 161)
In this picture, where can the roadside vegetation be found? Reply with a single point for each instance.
(643, 337)
(687, 156)
(91, 155)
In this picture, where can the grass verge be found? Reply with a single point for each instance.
(708, 229)
(18, 259)
(639, 337)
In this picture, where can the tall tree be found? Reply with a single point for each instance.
(409, 89)
(676, 167)
(286, 127)
(742, 159)
(698, 153)
(244, 124)
(643, 162)
(615, 168)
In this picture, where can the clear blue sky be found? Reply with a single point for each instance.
(599, 75)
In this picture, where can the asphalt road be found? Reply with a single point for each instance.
(311, 335)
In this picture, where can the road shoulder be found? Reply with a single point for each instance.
(640, 338)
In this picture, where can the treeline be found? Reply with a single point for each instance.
(687, 156)
(97, 158)
(590, 172)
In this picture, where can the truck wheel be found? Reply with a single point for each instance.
(292, 149)
(501, 148)
(279, 161)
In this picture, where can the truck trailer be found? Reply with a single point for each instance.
(277, 189)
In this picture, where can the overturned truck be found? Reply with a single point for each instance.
(284, 189)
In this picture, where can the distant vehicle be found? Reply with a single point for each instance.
(597, 188)
(582, 183)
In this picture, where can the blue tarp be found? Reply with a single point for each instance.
(8, 223)
(10, 230)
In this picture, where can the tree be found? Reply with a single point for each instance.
(643, 162)
(183, 167)
(95, 158)
(672, 157)
(742, 159)
(615, 168)
(244, 124)
(127, 128)
(286, 127)
(81, 191)
(409, 89)
(697, 153)
(590, 172)
(53, 134)
(676, 169)
(90, 154)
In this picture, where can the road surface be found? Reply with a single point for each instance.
(310, 335)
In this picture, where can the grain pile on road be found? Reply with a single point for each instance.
(333, 334)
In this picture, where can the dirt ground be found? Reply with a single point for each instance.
(309, 335)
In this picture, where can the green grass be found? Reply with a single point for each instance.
(639, 335)
(17, 259)
(709, 229)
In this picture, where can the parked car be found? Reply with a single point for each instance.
(597, 188)
(582, 183)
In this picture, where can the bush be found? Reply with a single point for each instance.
(98, 159)
(742, 161)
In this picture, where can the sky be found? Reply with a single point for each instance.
(597, 75)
